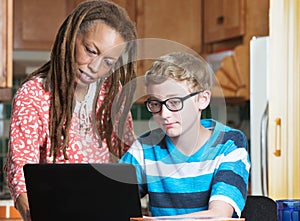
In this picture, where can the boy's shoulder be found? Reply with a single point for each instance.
(152, 137)
(217, 125)
(223, 133)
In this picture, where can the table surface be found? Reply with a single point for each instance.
(137, 219)
(186, 219)
(11, 219)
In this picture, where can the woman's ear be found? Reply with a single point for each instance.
(204, 99)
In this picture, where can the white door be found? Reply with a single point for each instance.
(284, 96)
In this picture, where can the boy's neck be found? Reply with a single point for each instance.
(188, 144)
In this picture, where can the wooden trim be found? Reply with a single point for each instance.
(6, 43)
(9, 46)
(5, 94)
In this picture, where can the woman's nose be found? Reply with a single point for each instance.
(95, 64)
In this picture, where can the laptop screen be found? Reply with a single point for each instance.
(82, 192)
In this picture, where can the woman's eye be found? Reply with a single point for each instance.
(108, 62)
(90, 51)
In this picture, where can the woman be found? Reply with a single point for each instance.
(63, 112)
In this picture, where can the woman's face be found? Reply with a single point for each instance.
(96, 50)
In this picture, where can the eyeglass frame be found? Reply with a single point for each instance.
(165, 102)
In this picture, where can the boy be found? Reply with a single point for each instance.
(189, 167)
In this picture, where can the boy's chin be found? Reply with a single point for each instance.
(173, 133)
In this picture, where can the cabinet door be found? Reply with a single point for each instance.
(284, 107)
(223, 19)
(175, 20)
(5, 50)
(36, 22)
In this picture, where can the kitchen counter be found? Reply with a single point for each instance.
(11, 219)
(7, 209)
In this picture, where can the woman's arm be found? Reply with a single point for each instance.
(23, 206)
(25, 134)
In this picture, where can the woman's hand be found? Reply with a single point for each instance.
(23, 206)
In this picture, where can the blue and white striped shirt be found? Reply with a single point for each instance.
(179, 184)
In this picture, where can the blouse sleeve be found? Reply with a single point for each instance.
(25, 133)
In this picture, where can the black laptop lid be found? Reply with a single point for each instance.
(82, 192)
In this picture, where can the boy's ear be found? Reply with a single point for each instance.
(204, 99)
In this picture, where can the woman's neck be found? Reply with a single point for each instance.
(80, 93)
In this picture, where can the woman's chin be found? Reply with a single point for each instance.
(83, 82)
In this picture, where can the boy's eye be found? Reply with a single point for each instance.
(174, 101)
(154, 103)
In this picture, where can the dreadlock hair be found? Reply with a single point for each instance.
(60, 75)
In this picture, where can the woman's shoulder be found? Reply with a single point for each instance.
(33, 84)
(32, 89)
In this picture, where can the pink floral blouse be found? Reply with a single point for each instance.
(29, 135)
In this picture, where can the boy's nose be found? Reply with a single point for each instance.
(165, 111)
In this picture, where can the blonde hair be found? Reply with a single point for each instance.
(181, 66)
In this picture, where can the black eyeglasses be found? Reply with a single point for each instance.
(173, 104)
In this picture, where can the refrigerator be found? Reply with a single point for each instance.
(259, 74)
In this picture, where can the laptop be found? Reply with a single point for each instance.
(82, 192)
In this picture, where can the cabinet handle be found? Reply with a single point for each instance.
(220, 20)
(277, 152)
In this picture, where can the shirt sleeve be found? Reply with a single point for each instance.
(135, 156)
(230, 183)
(25, 130)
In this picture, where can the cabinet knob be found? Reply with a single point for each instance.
(220, 20)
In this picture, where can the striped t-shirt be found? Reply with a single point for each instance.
(180, 184)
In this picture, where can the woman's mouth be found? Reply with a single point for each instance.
(85, 77)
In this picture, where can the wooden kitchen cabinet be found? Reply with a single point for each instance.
(175, 20)
(36, 22)
(163, 26)
(6, 50)
(234, 72)
(223, 19)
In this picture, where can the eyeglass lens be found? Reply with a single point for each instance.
(173, 104)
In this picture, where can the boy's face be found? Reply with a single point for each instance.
(175, 123)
